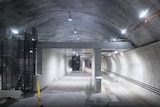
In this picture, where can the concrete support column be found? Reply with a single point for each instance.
(96, 69)
(83, 64)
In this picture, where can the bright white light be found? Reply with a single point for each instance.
(109, 54)
(78, 38)
(14, 31)
(77, 54)
(114, 40)
(123, 31)
(70, 19)
(75, 31)
(121, 53)
(31, 51)
(98, 77)
(74, 52)
(116, 52)
(33, 39)
(143, 14)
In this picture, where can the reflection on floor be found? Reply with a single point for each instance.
(71, 92)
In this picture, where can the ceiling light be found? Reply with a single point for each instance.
(121, 53)
(109, 54)
(123, 31)
(77, 54)
(70, 18)
(143, 14)
(33, 39)
(74, 52)
(31, 51)
(78, 38)
(75, 30)
(14, 31)
(116, 52)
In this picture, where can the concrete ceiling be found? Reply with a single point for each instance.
(94, 20)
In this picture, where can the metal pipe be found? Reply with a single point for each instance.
(142, 23)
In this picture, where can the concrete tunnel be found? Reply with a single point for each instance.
(85, 53)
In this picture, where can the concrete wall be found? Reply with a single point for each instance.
(0, 82)
(103, 65)
(53, 66)
(68, 68)
(142, 65)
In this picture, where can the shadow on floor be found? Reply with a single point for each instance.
(8, 101)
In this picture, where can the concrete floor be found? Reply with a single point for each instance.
(70, 91)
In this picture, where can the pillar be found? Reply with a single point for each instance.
(83, 64)
(96, 69)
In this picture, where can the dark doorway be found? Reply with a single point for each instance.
(75, 62)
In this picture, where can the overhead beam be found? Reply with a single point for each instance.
(94, 45)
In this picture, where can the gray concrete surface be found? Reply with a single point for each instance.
(141, 64)
(66, 93)
(53, 66)
(10, 94)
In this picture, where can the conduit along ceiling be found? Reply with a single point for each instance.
(134, 21)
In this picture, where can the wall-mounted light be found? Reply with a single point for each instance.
(15, 31)
(143, 13)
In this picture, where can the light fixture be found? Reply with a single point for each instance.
(14, 31)
(116, 52)
(33, 39)
(77, 54)
(75, 30)
(31, 51)
(74, 52)
(114, 39)
(121, 53)
(143, 13)
(123, 31)
(70, 18)
(78, 38)
(109, 55)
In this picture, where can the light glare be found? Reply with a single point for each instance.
(114, 40)
(14, 31)
(143, 14)
(123, 31)
(116, 52)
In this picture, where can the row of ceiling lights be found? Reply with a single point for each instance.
(142, 15)
(70, 19)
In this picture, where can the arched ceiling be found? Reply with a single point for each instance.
(94, 20)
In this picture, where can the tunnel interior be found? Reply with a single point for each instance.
(82, 52)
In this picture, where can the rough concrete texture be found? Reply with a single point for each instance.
(71, 91)
(141, 64)
(0, 82)
(10, 94)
